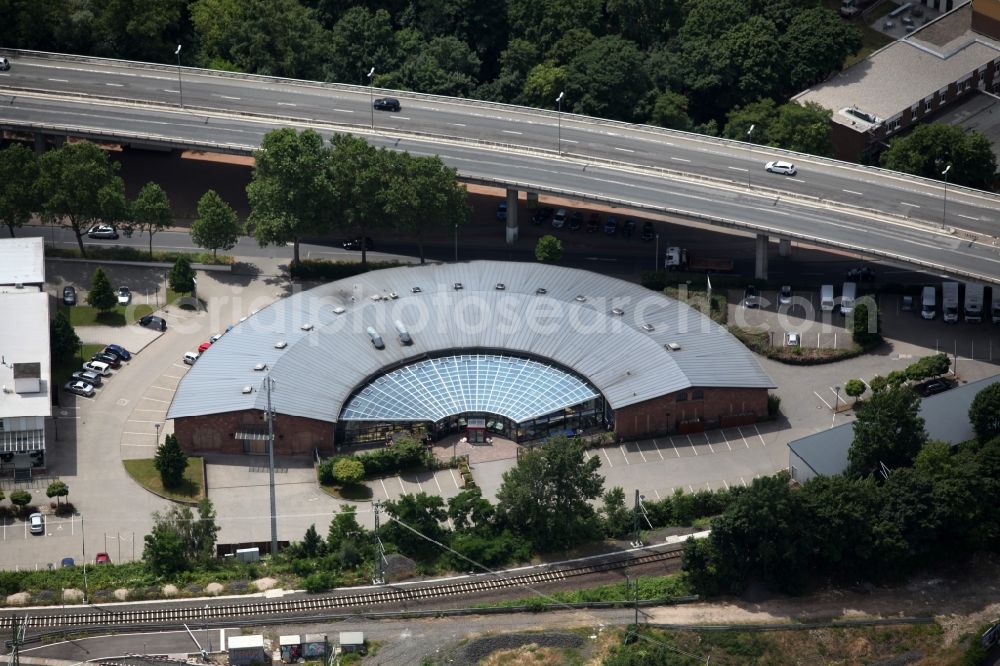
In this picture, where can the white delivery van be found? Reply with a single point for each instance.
(928, 303)
(974, 303)
(848, 297)
(826, 301)
(949, 302)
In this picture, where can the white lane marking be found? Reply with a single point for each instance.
(709, 442)
(853, 192)
(168, 90)
(909, 204)
(610, 464)
(624, 150)
(457, 124)
(822, 400)
(679, 159)
(691, 442)
(570, 141)
(156, 400)
(228, 97)
(453, 479)
(286, 104)
(511, 132)
(115, 85)
(59, 80)
(658, 449)
(737, 168)
(974, 219)
(343, 111)
(675, 448)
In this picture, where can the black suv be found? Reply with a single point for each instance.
(156, 323)
(386, 104)
(69, 296)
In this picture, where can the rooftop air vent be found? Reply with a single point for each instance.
(340, 309)
(581, 298)
(260, 367)
(501, 286)
(415, 290)
(458, 286)
(648, 328)
(393, 295)
(280, 344)
(247, 389)
(242, 319)
(376, 338)
(617, 311)
(541, 291)
(306, 327)
(376, 297)
(672, 346)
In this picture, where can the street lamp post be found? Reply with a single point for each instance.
(559, 122)
(750, 152)
(944, 205)
(371, 93)
(456, 242)
(656, 257)
(158, 434)
(180, 88)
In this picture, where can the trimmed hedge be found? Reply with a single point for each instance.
(404, 455)
(323, 269)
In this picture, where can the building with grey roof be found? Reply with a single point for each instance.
(912, 79)
(946, 419)
(519, 350)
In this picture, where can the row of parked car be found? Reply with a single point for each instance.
(87, 380)
(561, 218)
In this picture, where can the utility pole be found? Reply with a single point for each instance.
(636, 529)
(83, 536)
(379, 577)
(270, 464)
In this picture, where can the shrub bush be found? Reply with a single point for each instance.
(405, 454)
(323, 269)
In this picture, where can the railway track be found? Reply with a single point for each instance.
(130, 615)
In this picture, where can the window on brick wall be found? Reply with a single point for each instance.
(697, 395)
(682, 396)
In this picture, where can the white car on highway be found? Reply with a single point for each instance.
(786, 168)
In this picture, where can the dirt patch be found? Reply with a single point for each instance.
(265, 583)
(518, 648)
(214, 589)
(170, 590)
(18, 599)
(71, 594)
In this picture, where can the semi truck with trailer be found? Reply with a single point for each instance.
(677, 259)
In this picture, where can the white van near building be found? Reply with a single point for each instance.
(826, 299)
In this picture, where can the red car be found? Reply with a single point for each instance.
(203, 346)
(102, 558)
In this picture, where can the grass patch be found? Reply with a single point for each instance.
(145, 474)
(650, 588)
(138, 254)
(84, 315)
(63, 370)
(184, 300)
(715, 308)
(760, 342)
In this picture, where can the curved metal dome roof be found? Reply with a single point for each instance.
(628, 342)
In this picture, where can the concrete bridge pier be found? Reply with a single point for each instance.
(511, 216)
(760, 269)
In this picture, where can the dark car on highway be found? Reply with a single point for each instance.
(386, 104)
(69, 296)
(156, 323)
(357, 243)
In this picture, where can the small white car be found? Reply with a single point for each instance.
(215, 338)
(100, 367)
(792, 340)
(124, 295)
(103, 231)
(36, 523)
(81, 388)
(786, 168)
(191, 357)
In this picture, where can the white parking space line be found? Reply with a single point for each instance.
(158, 411)
(453, 479)
(183, 366)
(166, 402)
(675, 448)
(610, 464)
(438, 484)
(657, 493)
(728, 444)
(744, 438)
(141, 446)
(138, 421)
(709, 442)
(743, 482)
(621, 447)
(163, 388)
(760, 436)
(691, 442)
(386, 490)
(641, 454)
(690, 489)
(131, 432)
(658, 449)
(822, 400)
(725, 484)
(172, 377)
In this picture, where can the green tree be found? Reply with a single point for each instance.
(671, 110)
(618, 518)
(359, 176)
(930, 148)
(360, 40)
(64, 343)
(441, 66)
(865, 323)
(217, 227)
(151, 211)
(423, 513)
(134, 30)
(608, 78)
(802, 128)
(878, 383)
(79, 186)
(101, 295)
(544, 23)
(543, 84)
(548, 249)
(817, 42)
(312, 544)
(889, 431)
(423, 194)
(20, 499)
(348, 471)
(546, 497)
(854, 388)
(204, 532)
(470, 511)
(344, 526)
(181, 277)
(291, 193)
(164, 551)
(18, 191)
(57, 489)
(171, 462)
(984, 413)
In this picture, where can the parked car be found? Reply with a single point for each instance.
(67, 562)
(110, 359)
(751, 298)
(907, 304)
(99, 367)
(933, 387)
(203, 346)
(786, 168)
(575, 221)
(502, 211)
(69, 295)
(4, 64)
(594, 223)
(559, 219)
(124, 296)
(785, 295)
(191, 357)
(358, 242)
(386, 104)
(103, 231)
(80, 388)
(36, 523)
(102, 558)
(611, 226)
(215, 338)
(88, 377)
(119, 351)
(156, 323)
(648, 231)
(792, 340)
(629, 228)
(541, 215)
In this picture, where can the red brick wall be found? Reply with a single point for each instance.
(293, 435)
(664, 414)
